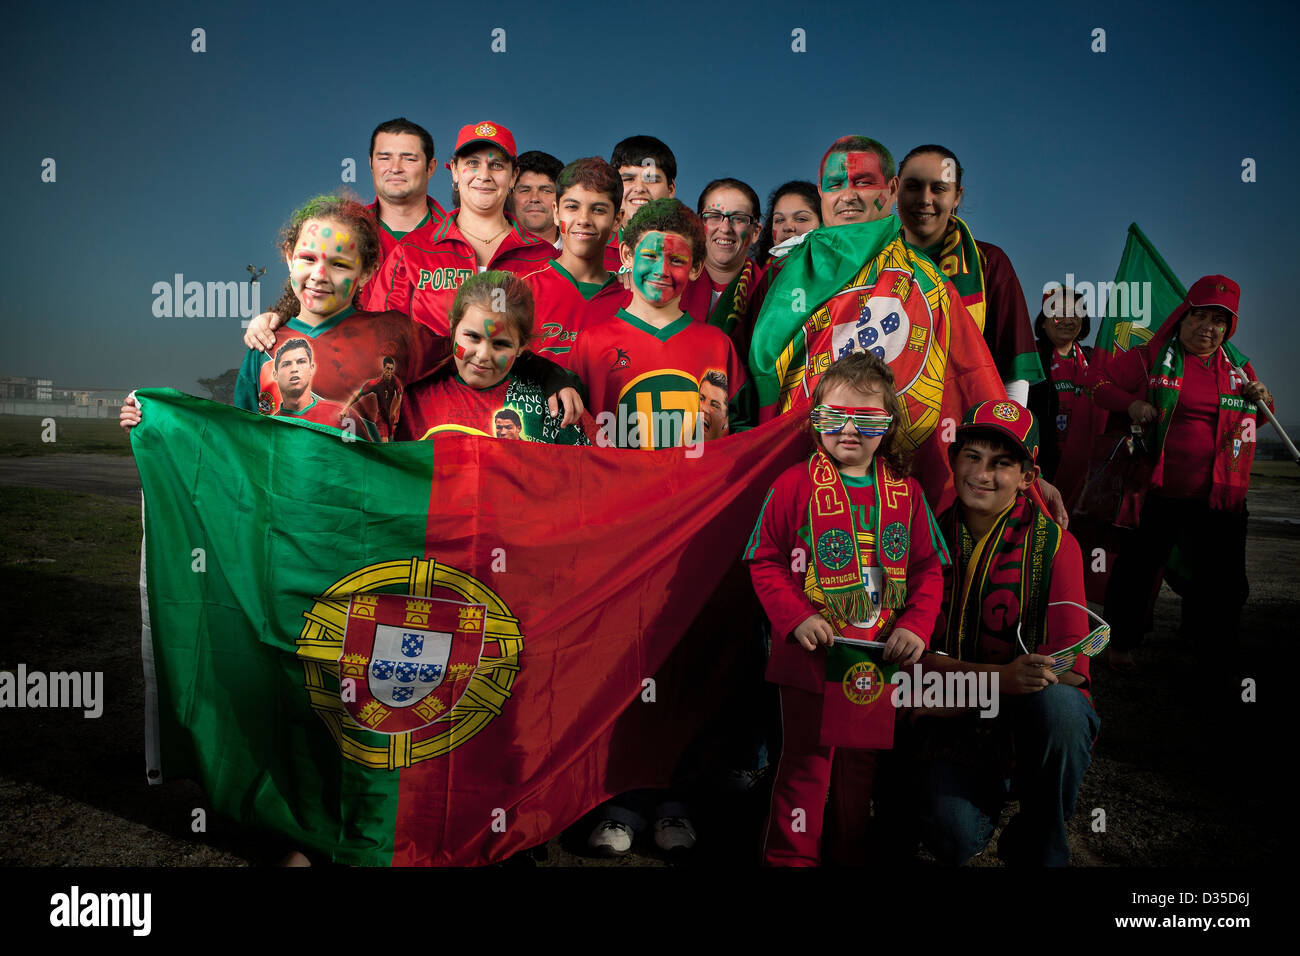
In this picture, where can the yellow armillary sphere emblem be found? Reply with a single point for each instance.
(487, 685)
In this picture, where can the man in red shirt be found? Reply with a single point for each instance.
(648, 169)
(402, 163)
(535, 194)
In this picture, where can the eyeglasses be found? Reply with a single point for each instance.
(870, 422)
(739, 220)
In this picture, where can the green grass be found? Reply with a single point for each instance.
(20, 436)
(86, 537)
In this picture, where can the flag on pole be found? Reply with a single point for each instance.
(436, 652)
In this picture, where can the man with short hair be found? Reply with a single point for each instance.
(295, 367)
(714, 422)
(508, 424)
(387, 390)
(402, 162)
(648, 169)
(534, 195)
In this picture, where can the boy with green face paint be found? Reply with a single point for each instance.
(644, 365)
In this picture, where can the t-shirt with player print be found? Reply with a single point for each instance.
(563, 306)
(645, 382)
(421, 276)
(333, 362)
(514, 408)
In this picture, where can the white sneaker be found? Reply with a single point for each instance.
(674, 833)
(610, 838)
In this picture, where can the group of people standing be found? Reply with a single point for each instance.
(583, 303)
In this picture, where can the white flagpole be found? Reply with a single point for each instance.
(1272, 419)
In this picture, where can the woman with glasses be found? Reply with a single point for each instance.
(729, 292)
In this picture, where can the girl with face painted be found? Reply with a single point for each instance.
(325, 351)
(491, 385)
(929, 194)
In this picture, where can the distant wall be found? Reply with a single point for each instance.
(13, 406)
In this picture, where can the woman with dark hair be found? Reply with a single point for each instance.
(929, 192)
(1061, 322)
(1196, 395)
(794, 208)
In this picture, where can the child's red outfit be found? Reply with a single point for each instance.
(782, 565)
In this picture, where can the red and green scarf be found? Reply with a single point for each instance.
(958, 258)
(733, 303)
(837, 560)
(1015, 557)
(1234, 435)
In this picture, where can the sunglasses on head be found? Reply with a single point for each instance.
(870, 422)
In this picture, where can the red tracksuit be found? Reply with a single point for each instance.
(804, 773)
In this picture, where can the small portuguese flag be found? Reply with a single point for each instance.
(858, 702)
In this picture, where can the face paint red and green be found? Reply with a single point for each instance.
(661, 266)
(854, 188)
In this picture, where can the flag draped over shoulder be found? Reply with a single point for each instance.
(861, 288)
(429, 652)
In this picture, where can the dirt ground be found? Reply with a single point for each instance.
(1185, 771)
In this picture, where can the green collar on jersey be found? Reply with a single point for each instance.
(664, 334)
(314, 331)
(588, 290)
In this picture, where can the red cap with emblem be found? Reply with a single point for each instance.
(1003, 415)
(1216, 290)
(492, 133)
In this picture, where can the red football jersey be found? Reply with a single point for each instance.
(645, 383)
(389, 240)
(346, 353)
(422, 275)
(561, 309)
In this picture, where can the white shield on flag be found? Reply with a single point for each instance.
(882, 327)
(407, 665)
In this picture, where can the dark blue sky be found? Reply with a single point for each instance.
(170, 161)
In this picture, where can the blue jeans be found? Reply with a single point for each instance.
(1053, 731)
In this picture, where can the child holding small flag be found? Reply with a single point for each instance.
(1013, 598)
(845, 545)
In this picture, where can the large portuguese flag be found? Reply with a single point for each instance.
(429, 652)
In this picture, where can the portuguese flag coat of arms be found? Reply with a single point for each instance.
(860, 287)
(435, 652)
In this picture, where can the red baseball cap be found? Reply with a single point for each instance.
(1003, 415)
(486, 132)
(1216, 290)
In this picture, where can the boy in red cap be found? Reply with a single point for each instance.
(1185, 386)
(1013, 597)
(422, 275)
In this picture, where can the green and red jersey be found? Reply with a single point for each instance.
(563, 306)
(347, 353)
(389, 240)
(633, 369)
(422, 275)
(447, 400)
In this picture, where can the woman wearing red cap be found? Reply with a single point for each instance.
(421, 278)
(1186, 386)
